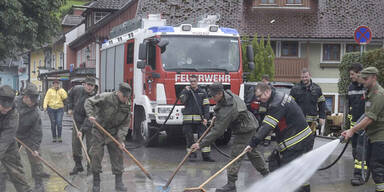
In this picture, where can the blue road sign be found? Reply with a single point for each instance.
(363, 35)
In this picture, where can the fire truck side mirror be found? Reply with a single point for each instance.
(250, 57)
(143, 51)
(141, 64)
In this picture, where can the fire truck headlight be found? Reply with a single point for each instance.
(213, 28)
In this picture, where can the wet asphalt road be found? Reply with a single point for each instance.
(161, 161)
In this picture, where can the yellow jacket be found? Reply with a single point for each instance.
(54, 98)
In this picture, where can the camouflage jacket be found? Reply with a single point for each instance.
(110, 113)
(76, 99)
(8, 127)
(30, 130)
(231, 112)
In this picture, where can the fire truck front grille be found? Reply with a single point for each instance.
(179, 88)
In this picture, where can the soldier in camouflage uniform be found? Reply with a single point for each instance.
(9, 157)
(76, 99)
(232, 112)
(30, 131)
(112, 111)
(373, 123)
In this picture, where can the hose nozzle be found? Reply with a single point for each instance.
(342, 139)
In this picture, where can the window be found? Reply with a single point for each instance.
(295, 2)
(329, 103)
(268, 1)
(34, 67)
(331, 52)
(130, 53)
(62, 60)
(99, 16)
(152, 56)
(341, 104)
(290, 48)
(352, 48)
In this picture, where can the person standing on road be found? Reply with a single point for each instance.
(112, 111)
(356, 102)
(54, 104)
(373, 124)
(285, 118)
(9, 156)
(30, 132)
(195, 115)
(232, 112)
(76, 99)
(310, 98)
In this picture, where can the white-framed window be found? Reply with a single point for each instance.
(295, 2)
(268, 2)
(99, 15)
(34, 67)
(289, 49)
(331, 52)
(54, 61)
(40, 63)
(352, 48)
(62, 60)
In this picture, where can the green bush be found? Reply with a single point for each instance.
(373, 58)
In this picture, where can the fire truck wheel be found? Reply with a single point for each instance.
(142, 132)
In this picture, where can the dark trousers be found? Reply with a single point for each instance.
(77, 150)
(188, 132)
(12, 164)
(56, 118)
(357, 152)
(376, 163)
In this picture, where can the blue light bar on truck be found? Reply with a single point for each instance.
(229, 30)
(162, 29)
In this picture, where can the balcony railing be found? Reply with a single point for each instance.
(289, 69)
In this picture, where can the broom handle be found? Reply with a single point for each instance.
(124, 149)
(222, 169)
(189, 153)
(81, 141)
(47, 164)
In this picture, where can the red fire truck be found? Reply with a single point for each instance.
(156, 60)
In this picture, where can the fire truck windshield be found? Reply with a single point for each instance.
(201, 53)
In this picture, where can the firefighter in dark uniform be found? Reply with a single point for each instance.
(231, 111)
(309, 97)
(30, 131)
(112, 111)
(373, 124)
(76, 99)
(195, 115)
(9, 156)
(285, 118)
(356, 104)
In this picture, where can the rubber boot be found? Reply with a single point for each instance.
(119, 185)
(96, 182)
(39, 185)
(78, 168)
(3, 180)
(207, 157)
(357, 180)
(193, 156)
(229, 187)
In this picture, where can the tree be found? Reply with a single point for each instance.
(25, 24)
(264, 58)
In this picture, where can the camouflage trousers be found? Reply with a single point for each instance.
(36, 165)
(96, 153)
(12, 164)
(77, 151)
(239, 143)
